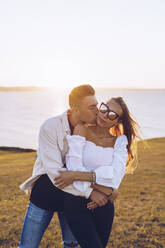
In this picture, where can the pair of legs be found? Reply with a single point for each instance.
(91, 228)
(35, 224)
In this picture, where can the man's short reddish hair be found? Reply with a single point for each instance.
(79, 92)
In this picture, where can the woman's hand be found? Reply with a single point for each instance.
(64, 179)
(92, 205)
(98, 199)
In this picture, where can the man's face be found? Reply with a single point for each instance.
(88, 109)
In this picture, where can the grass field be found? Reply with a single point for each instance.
(139, 210)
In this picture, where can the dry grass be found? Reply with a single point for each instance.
(140, 208)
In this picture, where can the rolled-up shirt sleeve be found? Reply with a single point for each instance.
(112, 174)
(74, 159)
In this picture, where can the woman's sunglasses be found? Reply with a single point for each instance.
(112, 115)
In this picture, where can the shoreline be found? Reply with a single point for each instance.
(16, 149)
(21, 149)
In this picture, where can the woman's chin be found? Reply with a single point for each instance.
(100, 123)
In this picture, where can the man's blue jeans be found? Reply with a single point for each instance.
(35, 224)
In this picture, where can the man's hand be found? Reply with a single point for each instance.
(114, 195)
(98, 199)
(64, 179)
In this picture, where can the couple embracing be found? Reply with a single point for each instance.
(81, 161)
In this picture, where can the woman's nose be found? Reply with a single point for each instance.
(104, 114)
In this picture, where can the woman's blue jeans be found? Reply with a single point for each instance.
(35, 224)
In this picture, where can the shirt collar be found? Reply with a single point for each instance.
(65, 122)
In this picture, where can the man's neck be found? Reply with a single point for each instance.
(73, 120)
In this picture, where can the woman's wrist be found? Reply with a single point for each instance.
(106, 190)
(108, 195)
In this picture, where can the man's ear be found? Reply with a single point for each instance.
(75, 108)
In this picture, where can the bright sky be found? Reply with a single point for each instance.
(62, 43)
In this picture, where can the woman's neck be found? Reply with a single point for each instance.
(102, 131)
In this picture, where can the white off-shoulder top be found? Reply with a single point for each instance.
(108, 163)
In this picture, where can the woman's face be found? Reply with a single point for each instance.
(109, 114)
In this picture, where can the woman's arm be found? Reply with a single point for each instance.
(112, 174)
(91, 177)
(101, 188)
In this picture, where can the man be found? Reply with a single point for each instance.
(50, 159)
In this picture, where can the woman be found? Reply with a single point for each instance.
(91, 158)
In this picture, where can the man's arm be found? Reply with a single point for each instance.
(51, 157)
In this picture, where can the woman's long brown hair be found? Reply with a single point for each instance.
(127, 126)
